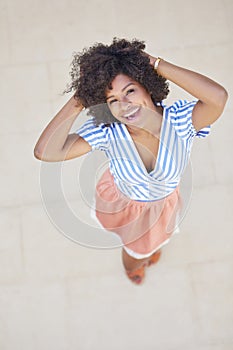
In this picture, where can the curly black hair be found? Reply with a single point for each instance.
(93, 70)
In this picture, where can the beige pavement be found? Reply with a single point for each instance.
(58, 295)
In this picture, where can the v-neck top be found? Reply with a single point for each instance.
(130, 174)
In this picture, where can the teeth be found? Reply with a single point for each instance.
(131, 113)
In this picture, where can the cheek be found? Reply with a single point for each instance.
(141, 98)
(148, 100)
(114, 109)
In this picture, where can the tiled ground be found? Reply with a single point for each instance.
(56, 294)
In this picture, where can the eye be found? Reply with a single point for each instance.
(129, 91)
(112, 101)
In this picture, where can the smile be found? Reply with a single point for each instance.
(131, 113)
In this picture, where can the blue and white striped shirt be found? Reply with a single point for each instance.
(129, 172)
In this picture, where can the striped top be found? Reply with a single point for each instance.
(129, 172)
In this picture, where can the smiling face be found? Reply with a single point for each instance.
(126, 100)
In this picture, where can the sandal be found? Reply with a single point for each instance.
(137, 276)
(154, 258)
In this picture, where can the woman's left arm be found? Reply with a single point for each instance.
(211, 96)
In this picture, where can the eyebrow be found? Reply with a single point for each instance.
(121, 90)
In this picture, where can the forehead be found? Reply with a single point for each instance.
(119, 82)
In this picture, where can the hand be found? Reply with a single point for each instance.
(78, 101)
(152, 59)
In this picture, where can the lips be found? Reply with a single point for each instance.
(131, 114)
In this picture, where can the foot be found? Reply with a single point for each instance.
(137, 276)
(154, 258)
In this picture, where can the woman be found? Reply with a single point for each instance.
(148, 144)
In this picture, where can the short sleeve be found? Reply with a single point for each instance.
(96, 135)
(181, 117)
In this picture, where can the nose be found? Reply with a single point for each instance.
(121, 107)
(125, 104)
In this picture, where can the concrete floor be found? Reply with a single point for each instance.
(56, 294)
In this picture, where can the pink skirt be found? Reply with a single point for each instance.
(143, 227)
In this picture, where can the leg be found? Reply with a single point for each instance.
(134, 267)
(154, 258)
(131, 263)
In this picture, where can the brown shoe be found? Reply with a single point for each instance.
(137, 276)
(154, 258)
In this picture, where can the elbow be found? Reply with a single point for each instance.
(42, 152)
(223, 96)
(38, 150)
(220, 101)
(41, 155)
(45, 156)
(37, 154)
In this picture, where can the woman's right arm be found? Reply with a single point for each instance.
(55, 143)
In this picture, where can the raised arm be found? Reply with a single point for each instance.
(55, 143)
(211, 96)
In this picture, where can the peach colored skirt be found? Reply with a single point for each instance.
(143, 227)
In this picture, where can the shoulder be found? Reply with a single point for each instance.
(91, 126)
(179, 114)
(181, 107)
(96, 135)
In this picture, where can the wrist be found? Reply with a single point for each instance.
(76, 102)
(156, 63)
